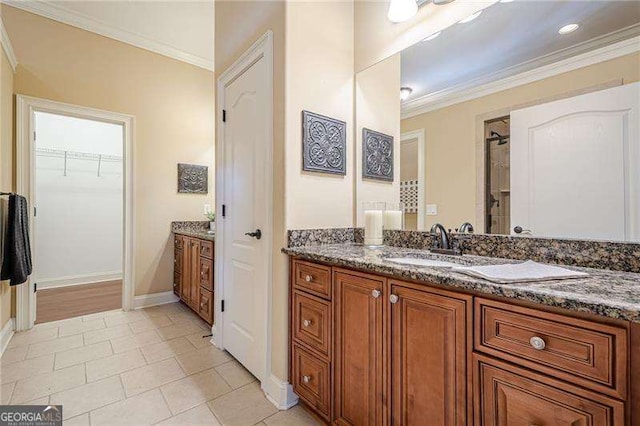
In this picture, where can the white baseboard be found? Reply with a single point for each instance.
(78, 280)
(154, 299)
(6, 334)
(279, 392)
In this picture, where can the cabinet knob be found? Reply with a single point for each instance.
(306, 379)
(393, 298)
(306, 323)
(376, 294)
(308, 278)
(537, 343)
(175, 285)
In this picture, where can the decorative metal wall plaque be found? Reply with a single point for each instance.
(193, 179)
(377, 155)
(324, 144)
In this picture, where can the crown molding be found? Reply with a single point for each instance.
(75, 19)
(7, 47)
(591, 52)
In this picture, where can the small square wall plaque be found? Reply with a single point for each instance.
(377, 155)
(193, 179)
(324, 144)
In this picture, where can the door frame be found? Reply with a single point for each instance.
(26, 107)
(262, 48)
(422, 177)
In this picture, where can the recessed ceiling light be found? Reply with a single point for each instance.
(402, 10)
(470, 17)
(405, 92)
(568, 29)
(432, 36)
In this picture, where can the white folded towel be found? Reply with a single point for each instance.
(519, 272)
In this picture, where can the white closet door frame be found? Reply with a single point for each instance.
(26, 107)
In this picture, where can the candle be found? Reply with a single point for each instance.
(392, 219)
(373, 227)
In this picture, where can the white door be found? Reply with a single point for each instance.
(246, 174)
(575, 166)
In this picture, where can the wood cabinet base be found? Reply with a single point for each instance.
(193, 274)
(372, 350)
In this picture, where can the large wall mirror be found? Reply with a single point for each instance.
(523, 119)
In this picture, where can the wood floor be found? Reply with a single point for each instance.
(67, 302)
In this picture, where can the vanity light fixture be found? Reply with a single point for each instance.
(470, 17)
(441, 2)
(402, 10)
(405, 92)
(506, 1)
(568, 29)
(432, 36)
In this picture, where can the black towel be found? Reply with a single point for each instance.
(16, 260)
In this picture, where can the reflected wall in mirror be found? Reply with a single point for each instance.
(512, 125)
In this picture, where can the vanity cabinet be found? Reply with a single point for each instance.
(193, 274)
(373, 350)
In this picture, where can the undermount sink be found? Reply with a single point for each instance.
(422, 262)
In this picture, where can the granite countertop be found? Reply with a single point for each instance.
(612, 294)
(196, 233)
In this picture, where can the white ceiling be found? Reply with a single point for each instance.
(510, 38)
(181, 29)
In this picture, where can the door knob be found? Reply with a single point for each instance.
(519, 230)
(257, 234)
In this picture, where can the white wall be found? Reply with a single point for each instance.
(78, 228)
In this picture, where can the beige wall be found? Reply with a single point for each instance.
(319, 69)
(173, 107)
(313, 70)
(238, 25)
(6, 165)
(378, 109)
(376, 38)
(452, 133)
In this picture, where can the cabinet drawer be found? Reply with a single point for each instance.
(312, 322)
(313, 278)
(206, 304)
(206, 273)
(206, 249)
(178, 242)
(177, 283)
(506, 396)
(311, 381)
(590, 354)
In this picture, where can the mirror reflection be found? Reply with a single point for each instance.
(523, 120)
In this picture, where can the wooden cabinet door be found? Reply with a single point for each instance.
(359, 348)
(509, 396)
(185, 288)
(429, 344)
(194, 281)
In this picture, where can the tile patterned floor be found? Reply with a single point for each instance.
(145, 367)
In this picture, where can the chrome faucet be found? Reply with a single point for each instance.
(443, 239)
(465, 228)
